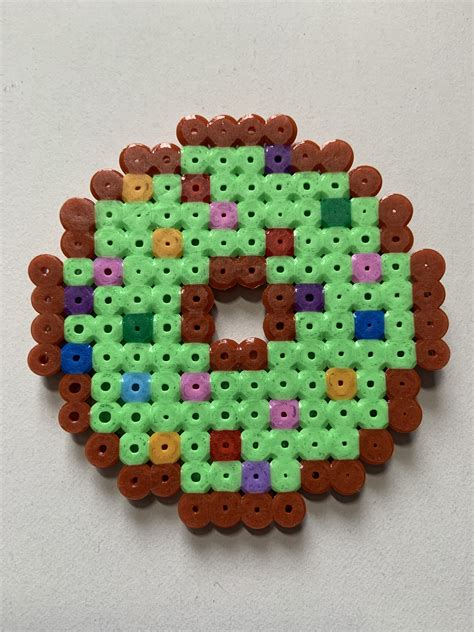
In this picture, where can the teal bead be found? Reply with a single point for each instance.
(167, 187)
(223, 243)
(251, 213)
(372, 413)
(255, 445)
(165, 386)
(195, 445)
(397, 295)
(370, 354)
(279, 214)
(225, 385)
(365, 211)
(308, 244)
(367, 296)
(365, 239)
(106, 387)
(167, 328)
(311, 354)
(78, 272)
(342, 413)
(311, 384)
(166, 215)
(166, 299)
(308, 269)
(278, 186)
(194, 356)
(196, 242)
(253, 384)
(334, 185)
(280, 269)
(282, 355)
(108, 328)
(222, 160)
(340, 353)
(107, 357)
(400, 354)
(313, 413)
(370, 384)
(133, 448)
(309, 325)
(338, 325)
(343, 443)
(195, 159)
(339, 297)
(250, 160)
(136, 417)
(167, 271)
(136, 216)
(225, 476)
(195, 270)
(283, 443)
(313, 444)
(336, 239)
(138, 270)
(337, 267)
(396, 266)
(108, 300)
(79, 328)
(110, 241)
(137, 357)
(166, 417)
(224, 187)
(105, 417)
(108, 213)
(196, 416)
(224, 415)
(306, 184)
(399, 325)
(251, 242)
(248, 186)
(195, 478)
(136, 299)
(254, 414)
(307, 212)
(285, 475)
(165, 356)
(282, 384)
(195, 215)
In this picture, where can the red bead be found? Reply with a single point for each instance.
(48, 329)
(427, 265)
(135, 158)
(257, 511)
(74, 417)
(78, 214)
(195, 187)
(107, 185)
(166, 158)
(404, 414)
(404, 383)
(225, 445)
(45, 270)
(396, 239)
(279, 242)
(75, 388)
(45, 360)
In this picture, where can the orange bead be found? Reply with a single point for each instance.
(341, 383)
(167, 243)
(164, 447)
(137, 187)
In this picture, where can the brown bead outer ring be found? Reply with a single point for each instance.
(253, 354)
(222, 131)
(193, 510)
(77, 245)
(165, 479)
(430, 324)
(134, 481)
(102, 449)
(347, 477)
(77, 214)
(280, 129)
(192, 130)
(395, 211)
(432, 355)
(404, 415)
(404, 383)
(166, 158)
(428, 294)
(427, 265)
(222, 273)
(197, 327)
(224, 355)
(251, 271)
(289, 509)
(106, 184)
(251, 129)
(336, 155)
(279, 326)
(48, 329)
(45, 360)
(257, 510)
(74, 417)
(135, 158)
(315, 477)
(279, 298)
(196, 298)
(375, 446)
(75, 388)
(305, 156)
(48, 300)
(364, 181)
(224, 509)
(45, 270)
(396, 239)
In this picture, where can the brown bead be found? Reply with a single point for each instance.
(75, 388)
(257, 511)
(222, 273)
(404, 415)
(426, 265)
(395, 210)
(430, 324)
(315, 477)
(102, 449)
(197, 327)
(45, 360)
(253, 354)
(251, 272)
(347, 477)
(193, 509)
(305, 156)
(364, 181)
(251, 129)
(279, 242)
(224, 509)
(135, 158)
(375, 446)
(289, 509)
(134, 481)
(165, 479)
(224, 355)
(195, 187)
(48, 329)
(45, 270)
(166, 158)
(192, 130)
(78, 214)
(74, 417)
(279, 298)
(432, 355)
(279, 326)
(336, 155)
(280, 129)
(397, 239)
(77, 245)
(222, 131)
(196, 298)
(107, 185)
(48, 300)
(404, 383)
(428, 294)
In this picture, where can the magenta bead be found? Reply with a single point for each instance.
(223, 215)
(108, 271)
(366, 267)
(195, 387)
(284, 413)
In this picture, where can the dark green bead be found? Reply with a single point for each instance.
(335, 212)
(138, 327)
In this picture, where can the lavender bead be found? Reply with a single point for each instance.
(256, 477)
(284, 413)
(195, 387)
(108, 271)
(366, 267)
(223, 215)
(309, 297)
(78, 299)
(277, 158)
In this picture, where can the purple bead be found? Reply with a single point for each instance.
(223, 215)
(277, 158)
(284, 413)
(78, 299)
(108, 271)
(366, 267)
(256, 477)
(195, 387)
(309, 297)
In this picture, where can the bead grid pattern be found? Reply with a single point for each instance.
(240, 428)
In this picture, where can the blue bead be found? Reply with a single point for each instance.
(136, 387)
(76, 358)
(369, 325)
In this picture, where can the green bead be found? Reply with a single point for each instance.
(334, 185)
(278, 186)
(307, 212)
(343, 443)
(166, 417)
(136, 215)
(308, 269)
(167, 187)
(251, 213)
(136, 417)
(134, 448)
(285, 475)
(337, 267)
(165, 356)
(399, 325)
(306, 184)
(196, 242)
(106, 387)
(340, 353)
(311, 354)
(222, 243)
(79, 328)
(195, 271)
(372, 413)
(105, 417)
(222, 160)
(137, 357)
(107, 357)
(194, 159)
(309, 325)
(138, 327)
(224, 414)
(280, 269)
(249, 186)
(196, 416)
(255, 445)
(365, 211)
(194, 356)
(313, 444)
(370, 384)
(166, 215)
(167, 328)
(167, 271)
(137, 270)
(108, 213)
(282, 355)
(313, 413)
(311, 384)
(110, 242)
(223, 187)
(253, 384)
(337, 239)
(195, 215)
(282, 384)
(279, 214)
(400, 354)
(195, 445)
(225, 476)
(139, 243)
(370, 354)
(165, 387)
(342, 413)
(338, 297)
(195, 478)
(78, 272)
(367, 296)
(225, 385)
(250, 159)
(254, 414)
(108, 300)
(395, 266)
(283, 443)
(365, 239)
(166, 299)
(251, 242)
(335, 212)
(136, 299)
(308, 243)
(108, 328)
(397, 295)
(339, 325)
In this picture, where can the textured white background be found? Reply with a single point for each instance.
(82, 81)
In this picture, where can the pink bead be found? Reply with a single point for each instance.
(108, 271)
(195, 387)
(366, 267)
(223, 215)
(284, 413)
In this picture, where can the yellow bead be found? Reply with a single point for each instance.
(167, 242)
(137, 187)
(164, 447)
(341, 383)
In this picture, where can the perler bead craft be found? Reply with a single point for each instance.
(243, 431)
